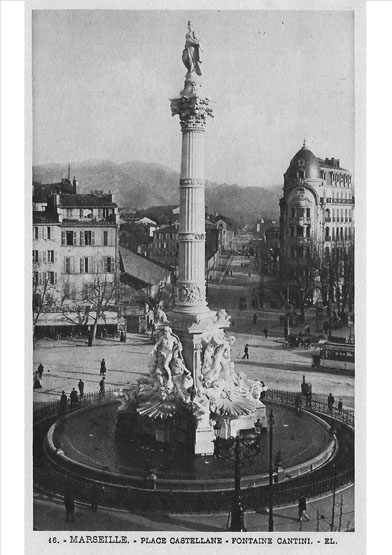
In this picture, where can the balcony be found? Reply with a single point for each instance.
(328, 219)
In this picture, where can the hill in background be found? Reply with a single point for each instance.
(139, 185)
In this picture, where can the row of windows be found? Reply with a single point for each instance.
(167, 235)
(89, 265)
(44, 278)
(337, 233)
(338, 179)
(339, 214)
(88, 237)
(69, 291)
(300, 231)
(338, 196)
(165, 245)
(47, 257)
(43, 232)
(333, 354)
(300, 212)
(81, 213)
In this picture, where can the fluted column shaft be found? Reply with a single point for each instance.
(191, 288)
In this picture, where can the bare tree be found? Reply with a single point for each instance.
(303, 276)
(89, 305)
(44, 297)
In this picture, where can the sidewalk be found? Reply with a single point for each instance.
(49, 514)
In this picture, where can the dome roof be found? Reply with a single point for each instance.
(306, 161)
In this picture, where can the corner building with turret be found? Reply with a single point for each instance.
(316, 210)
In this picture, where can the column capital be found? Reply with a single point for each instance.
(193, 111)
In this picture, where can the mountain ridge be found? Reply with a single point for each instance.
(139, 185)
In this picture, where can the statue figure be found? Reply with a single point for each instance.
(222, 317)
(191, 52)
(166, 347)
(183, 382)
(161, 316)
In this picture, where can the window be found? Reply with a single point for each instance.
(36, 232)
(51, 276)
(85, 266)
(69, 213)
(69, 265)
(105, 238)
(50, 256)
(300, 252)
(35, 278)
(300, 231)
(49, 233)
(308, 212)
(69, 235)
(81, 213)
(87, 238)
(293, 212)
(35, 256)
(108, 264)
(86, 291)
(36, 300)
(308, 231)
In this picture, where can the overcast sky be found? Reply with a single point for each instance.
(102, 82)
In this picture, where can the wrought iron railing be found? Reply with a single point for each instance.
(54, 408)
(316, 403)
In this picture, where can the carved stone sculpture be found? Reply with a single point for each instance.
(191, 52)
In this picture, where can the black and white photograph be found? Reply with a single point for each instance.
(193, 372)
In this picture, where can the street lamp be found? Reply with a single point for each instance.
(270, 491)
(238, 450)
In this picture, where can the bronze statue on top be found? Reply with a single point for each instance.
(191, 52)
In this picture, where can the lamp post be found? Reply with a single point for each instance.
(270, 491)
(238, 450)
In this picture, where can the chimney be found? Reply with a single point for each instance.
(74, 184)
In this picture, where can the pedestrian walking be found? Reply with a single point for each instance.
(254, 317)
(246, 352)
(307, 330)
(81, 388)
(103, 368)
(69, 503)
(302, 508)
(63, 403)
(265, 331)
(96, 493)
(73, 397)
(36, 381)
(331, 402)
(102, 387)
(340, 406)
(40, 370)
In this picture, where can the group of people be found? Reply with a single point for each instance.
(75, 397)
(331, 403)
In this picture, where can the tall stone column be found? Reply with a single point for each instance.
(191, 318)
(193, 110)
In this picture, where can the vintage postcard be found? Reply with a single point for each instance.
(195, 226)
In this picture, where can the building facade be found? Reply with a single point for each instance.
(75, 262)
(316, 211)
